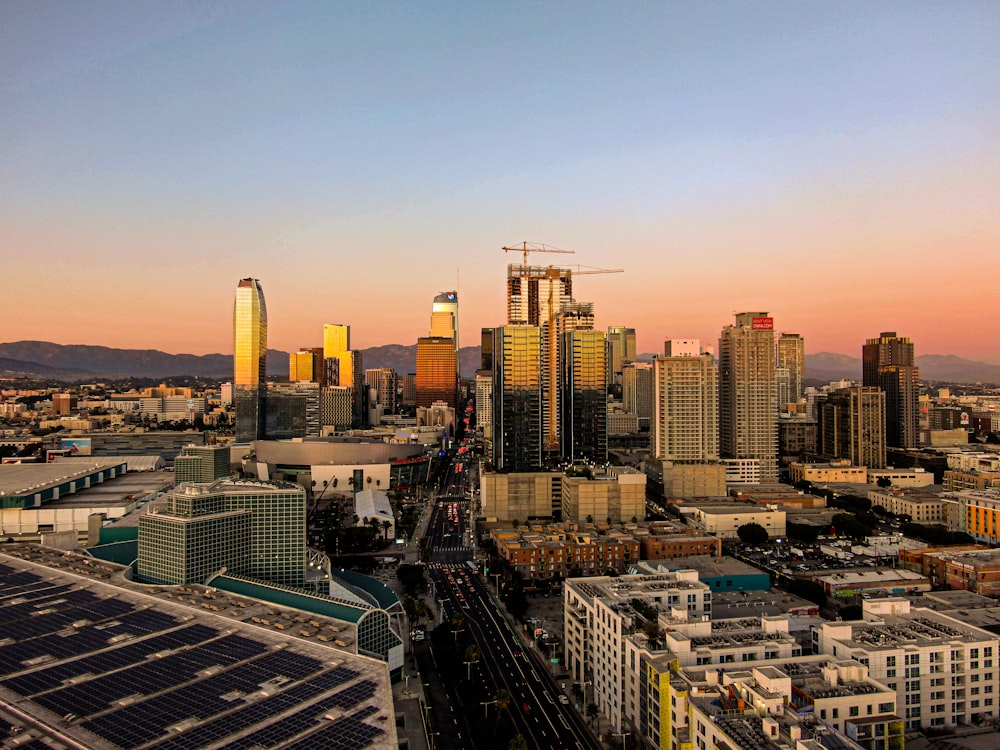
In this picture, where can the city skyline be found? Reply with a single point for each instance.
(836, 166)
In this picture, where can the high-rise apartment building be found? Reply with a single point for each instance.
(685, 421)
(436, 368)
(571, 316)
(535, 293)
(249, 359)
(851, 425)
(748, 397)
(888, 362)
(791, 359)
(637, 391)
(337, 345)
(584, 396)
(517, 397)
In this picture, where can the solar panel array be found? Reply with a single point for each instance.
(137, 677)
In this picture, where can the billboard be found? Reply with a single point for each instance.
(76, 446)
(763, 324)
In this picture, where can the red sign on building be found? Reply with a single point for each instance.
(763, 324)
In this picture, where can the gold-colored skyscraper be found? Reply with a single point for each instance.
(337, 345)
(249, 334)
(249, 358)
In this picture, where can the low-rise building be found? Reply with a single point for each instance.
(669, 541)
(922, 506)
(552, 551)
(724, 519)
(824, 473)
(884, 581)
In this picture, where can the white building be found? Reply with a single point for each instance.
(725, 519)
(944, 672)
(598, 615)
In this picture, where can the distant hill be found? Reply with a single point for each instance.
(42, 359)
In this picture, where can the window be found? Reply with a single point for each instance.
(855, 711)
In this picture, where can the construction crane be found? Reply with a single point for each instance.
(583, 270)
(534, 247)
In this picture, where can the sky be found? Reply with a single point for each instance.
(834, 164)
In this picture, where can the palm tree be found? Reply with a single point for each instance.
(518, 743)
(591, 711)
(378, 482)
(386, 525)
(502, 699)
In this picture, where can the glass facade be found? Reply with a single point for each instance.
(436, 371)
(584, 400)
(249, 358)
(517, 398)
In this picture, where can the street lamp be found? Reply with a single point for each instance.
(621, 734)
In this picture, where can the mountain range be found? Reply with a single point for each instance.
(43, 359)
(70, 362)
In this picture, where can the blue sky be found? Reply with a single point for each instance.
(836, 164)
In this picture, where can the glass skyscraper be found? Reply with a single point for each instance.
(249, 359)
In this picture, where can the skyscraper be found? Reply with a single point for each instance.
(436, 367)
(637, 391)
(536, 293)
(852, 426)
(306, 364)
(517, 397)
(791, 358)
(584, 396)
(249, 359)
(888, 362)
(748, 398)
(337, 345)
(622, 345)
(382, 385)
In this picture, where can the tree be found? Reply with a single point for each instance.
(752, 533)
(578, 692)
(386, 525)
(592, 712)
(518, 743)
(884, 482)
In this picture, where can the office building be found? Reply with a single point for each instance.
(306, 364)
(685, 421)
(792, 363)
(748, 398)
(64, 403)
(292, 410)
(621, 343)
(249, 359)
(584, 397)
(444, 324)
(888, 362)
(252, 528)
(336, 407)
(382, 389)
(616, 494)
(517, 397)
(202, 463)
(637, 391)
(436, 368)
